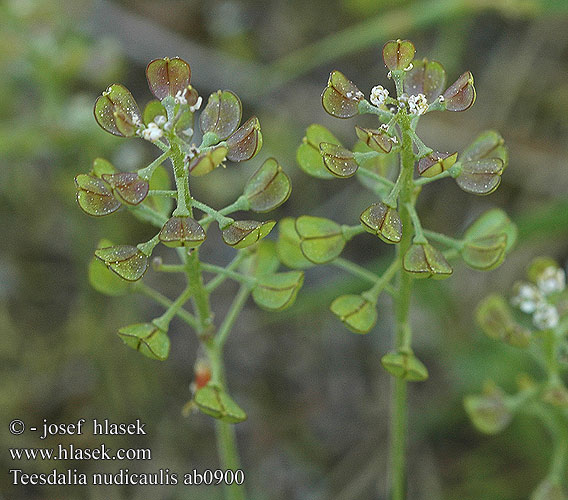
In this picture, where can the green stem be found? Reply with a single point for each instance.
(419, 237)
(361, 272)
(423, 150)
(426, 180)
(164, 320)
(166, 193)
(147, 247)
(241, 278)
(391, 199)
(372, 295)
(234, 311)
(146, 172)
(183, 208)
(376, 177)
(365, 107)
(349, 232)
(148, 214)
(240, 203)
(444, 240)
(215, 214)
(228, 453)
(219, 279)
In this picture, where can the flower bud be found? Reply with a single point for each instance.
(94, 196)
(383, 221)
(182, 231)
(308, 154)
(268, 188)
(222, 114)
(116, 111)
(405, 366)
(341, 97)
(377, 139)
(338, 160)
(436, 163)
(496, 320)
(426, 77)
(461, 94)
(128, 187)
(355, 312)
(168, 77)
(424, 261)
(243, 233)
(321, 240)
(147, 339)
(246, 142)
(488, 412)
(398, 54)
(480, 176)
(277, 291)
(208, 161)
(125, 260)
(288, 245)
(215, 402)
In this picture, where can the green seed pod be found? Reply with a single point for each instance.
(222, 114)
(549, 490)
(264, 260)
(94, 196)
(383, 221)
(398, 54)
(103, 280)
(182, 231)
(128, 187)
(321, 240)
(496, 320)
(488, 144)
(125, 260)
(424, 261)
(100, 167)
(243, 233)
(341, 97)
(436, 163)
(426, 77)
(246, 142)
(405, 366)
(480, 177)
(276, 292)
(215, 402)
(308, 154)
(168, 77)
(377, 139)
(556, 395)
(356, 313)
(208, 161)
(338, 160)
(485, 253)
(147, 339)
(493, 222)
(268, 188)
(116, 111)
(488, 412)
(288, 245)
(461, 94)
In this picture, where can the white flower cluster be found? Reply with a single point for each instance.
(378, 95)
(534, 300)
(152, 132)
(417, 104)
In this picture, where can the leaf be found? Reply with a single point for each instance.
(116, 111)
(382, 221)
(341, 97)
(246, 142)
(377, 139)
(168, 77)
(436, 163)
(308, 154)
(243, 233)
(125, 260)
(405, 366)
(398, 54)
(222, 114)
(357, 314)
(94, 196)
(103, 280)
(461, 94)
(480, 177)
(128, 187)
(288, 245)
(147, 339)
(268, 188)
(338, 160)
(182, 231)
(488, 144)
(426, 77)
(215, 402)
(208, 161)
(276, 292)
(488, 411)
(424, 261)
(321, 240)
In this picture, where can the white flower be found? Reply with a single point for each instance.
(180, 97)
(528, 298)
(546, 316)
(378, 95)
(551, 280)
(197, 105)
(160, 120)
(417, 104)
(152, 133)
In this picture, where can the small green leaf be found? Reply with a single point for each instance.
(128, 187)
(357, 314)
(116, 111)
(426, 77)
(215, 402)
(377, 139)
(268, 188)
(276, 292)
(94, 196)
(222, 114)
(496, 320)
(480, 177)
(153, 108)
(461, 94)
(341, 97)
(288, 245)
(436, 163)
(246, 142)
(125, 260)
(383, 221)
(488, 144)
(488, 412)
(405, 366)
(338, 160)
(398, 54)
(424, 261)
(168, 77)
(103, 280)
(208, 161)
(147, 339)
(100, 167)
(182, 231)
(309, 156)
(243, 233)
(321, 240)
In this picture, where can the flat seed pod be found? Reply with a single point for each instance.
(268, 188)
(264, 261)
(128, 187)
(338, 160)
(276, 292)
(94, 196)
(488, 412)
(308, 154)
(147, 339)
(321, 240)
(488, 144)
(246, 142)
(208, 161)
(168, 77)
(493, 222)
(377, 139)
(243, 233)
(461, 94)
(215, 402)
(398, 54)
(485, 253)
(405, 366)
(436, 163)
(356, 313)
(103, 280)
(384, 165)
(424, 261)
(288, 245)
(125, 260)
(426, 77)
(222, 114)
(480, 177)
(383, 221)
(182, 231)
(495, 318)
(341, 97)
(116, 111)
(100, 167)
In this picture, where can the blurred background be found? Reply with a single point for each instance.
(316, 396)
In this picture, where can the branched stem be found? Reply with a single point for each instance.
(214, 214)
(426, 180)
(444, 240)
(241, 278)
